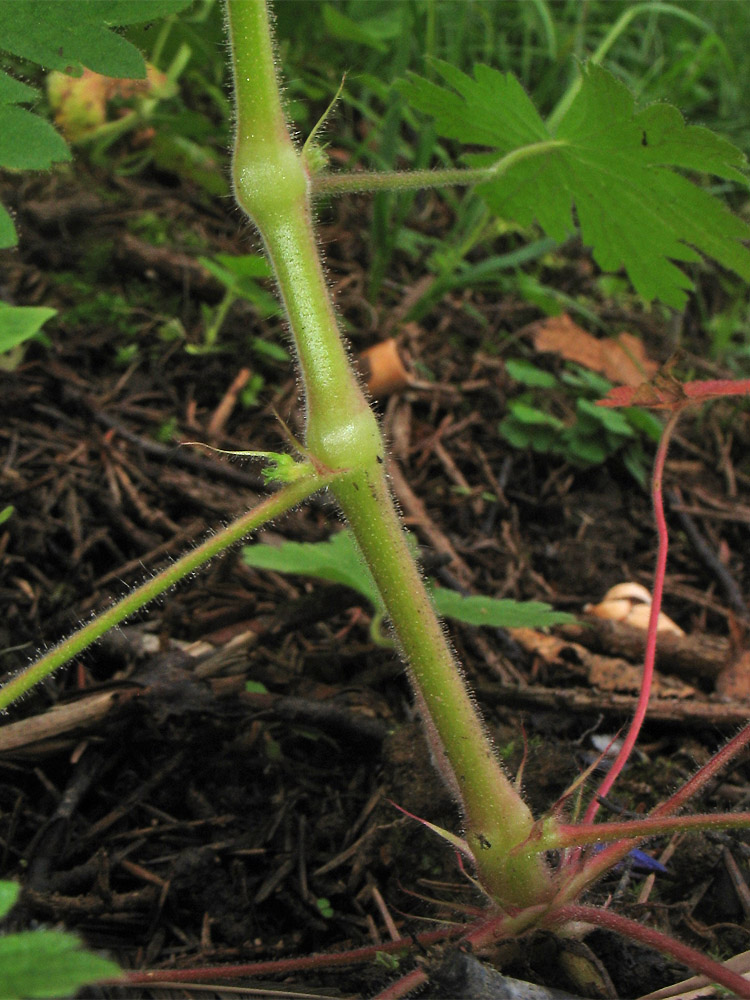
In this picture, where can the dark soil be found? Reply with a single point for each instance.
(195, 823)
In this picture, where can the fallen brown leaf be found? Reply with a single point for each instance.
(622, 359)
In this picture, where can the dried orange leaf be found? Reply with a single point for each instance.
(621, 359)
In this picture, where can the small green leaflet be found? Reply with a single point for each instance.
(338, 561)
(48, 964)
(612, 164)
(62, 35)
(9, 893)
(19, 323)
(44, 963)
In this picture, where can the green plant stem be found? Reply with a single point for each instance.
(273, 507)
(417, 180)
(217, 320)
(273, 187)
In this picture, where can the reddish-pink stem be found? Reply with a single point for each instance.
(403, 986)
(577, 834)
(284, 966)
(714, 971)
(598, 864)
(701, 777)
(650, 655)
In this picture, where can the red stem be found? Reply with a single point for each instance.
(577, 834)
(650, 655)
(714, 971)
(284, 966)
(701, 777)
(402, 986)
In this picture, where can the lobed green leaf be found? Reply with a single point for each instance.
(497, 612)
(338, 561)
(613, 173)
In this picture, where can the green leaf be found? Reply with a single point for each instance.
(613, 167)
(19, 323)
(238, 274)
(273, 351)
(8, 234)
(14, 92)
(338, 561)
(373, 32)
(669, 141)
(528, 374)
(499, 613)
(64, 34)
(645, 421)
(249, 265)
(9, 893)
(48, 964)
(620, 427)
(533, 417)
(28, 142)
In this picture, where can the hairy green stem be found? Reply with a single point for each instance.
(417, 180)
(273, 187)
(273, 507)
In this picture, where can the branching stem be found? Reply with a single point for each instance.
(273, 507)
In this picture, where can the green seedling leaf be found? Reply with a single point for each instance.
(338, 561)
(189, 159)
(275, 352)
(373, 32)
(249, 265)
(619, 426)
(239, 274)
(5, 515)
(9, 893)
(646, 422)
(611, 164)
(20, 323)
(39, 964)
(528, 374)
(585, 451)
(533, 417)
(497, 612)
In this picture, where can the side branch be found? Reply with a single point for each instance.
(274, 506)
